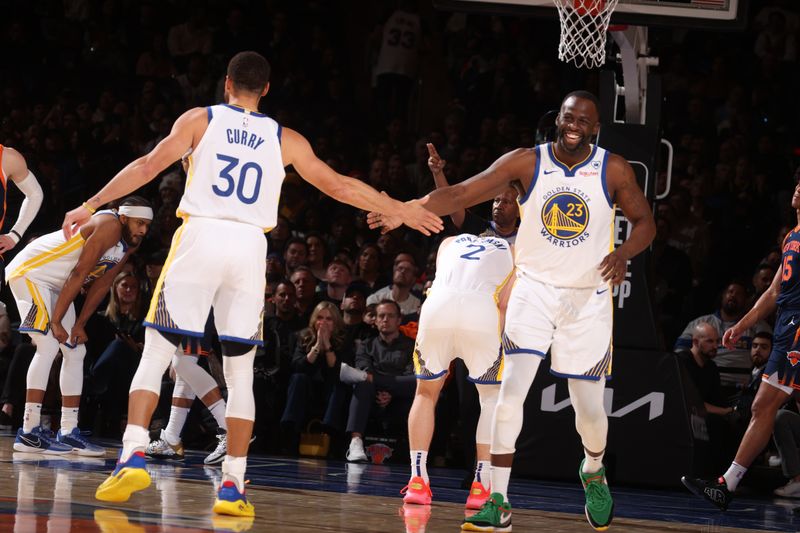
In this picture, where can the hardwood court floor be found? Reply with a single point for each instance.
(38, 493)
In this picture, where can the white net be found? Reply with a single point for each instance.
(583, 31)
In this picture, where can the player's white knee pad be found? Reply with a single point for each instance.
(487, 395)
(156, 356)
(39, 370)
(238, 372)
(71, 378)
(591, 420)
(198, 381)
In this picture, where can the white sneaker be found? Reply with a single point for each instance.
(350, 375)
(218, 455)
(790, 490)
(161, 449)
(355, 453)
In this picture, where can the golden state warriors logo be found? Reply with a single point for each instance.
(565, 216)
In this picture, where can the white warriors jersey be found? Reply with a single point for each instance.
(470, 263)
(567, 217)
(236, 170)
(48, 260)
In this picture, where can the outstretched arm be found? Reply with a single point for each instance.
(297, 152)
(186, 133)
(437, 164)
(630, 198)
(16, 169)
(516, 165)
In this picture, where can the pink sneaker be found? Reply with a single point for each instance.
(478, 494)
(417, 491)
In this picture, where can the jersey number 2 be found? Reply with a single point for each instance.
(238, 184)
(472, 253)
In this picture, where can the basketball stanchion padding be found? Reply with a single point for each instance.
(583, 31)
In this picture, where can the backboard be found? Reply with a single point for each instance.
(708, 14)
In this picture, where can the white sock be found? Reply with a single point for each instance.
(483, 473)
(135, 439)
(69, 419)
(233, 469)
(592, 464)
(734, 475)
(500, 477)
(32, 418)
(419, 464)
(218, 411)
(177, 419)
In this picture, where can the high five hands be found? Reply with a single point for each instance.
(388, 223)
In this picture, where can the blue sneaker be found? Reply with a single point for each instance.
(80, 444)
(39, 441)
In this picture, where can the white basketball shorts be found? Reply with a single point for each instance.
(35, 304)
(212, 263)
(459, 324)
(575, 324)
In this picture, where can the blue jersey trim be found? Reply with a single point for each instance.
(32, 330)
(432, 376)
(514, 351)
(577, 376)
(604, 179)
(173, 330)
(241, 340)
(209, 113)
(280, 133)
(243, 110)
(570, 172)
(535, 175)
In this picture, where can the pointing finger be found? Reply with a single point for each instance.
(432, 150)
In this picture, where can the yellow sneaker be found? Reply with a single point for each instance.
(232, 502)
(111, 521)
(234, 524)
(127, 478)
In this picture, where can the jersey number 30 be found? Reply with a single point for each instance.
(238, 183)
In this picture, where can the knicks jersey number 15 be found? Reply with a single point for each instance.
(235, 176)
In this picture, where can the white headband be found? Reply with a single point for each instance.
(136, 211)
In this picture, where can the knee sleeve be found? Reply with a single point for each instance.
(39, 370)
(156, 356)
(71, 379)
(238, 372)
(518, 375)
(591, 420)
(487, 395)
(189, 372)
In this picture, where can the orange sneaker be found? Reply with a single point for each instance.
(417, 491)
(478, 494)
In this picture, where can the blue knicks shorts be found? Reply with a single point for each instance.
(783, 367)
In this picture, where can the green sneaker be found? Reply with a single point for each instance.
(495, 515)
(599, 504)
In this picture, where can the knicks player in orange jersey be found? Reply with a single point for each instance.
(13, 167)
(561, 299)
(781, 378)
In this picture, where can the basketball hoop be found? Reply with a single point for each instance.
(583, 31)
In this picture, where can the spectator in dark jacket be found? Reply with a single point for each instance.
(386, 381)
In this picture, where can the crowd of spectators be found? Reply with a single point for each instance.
(89, 86)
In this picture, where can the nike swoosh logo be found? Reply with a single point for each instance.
(32, 443)
(546, 172)
(504, 517)
(601, 292)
